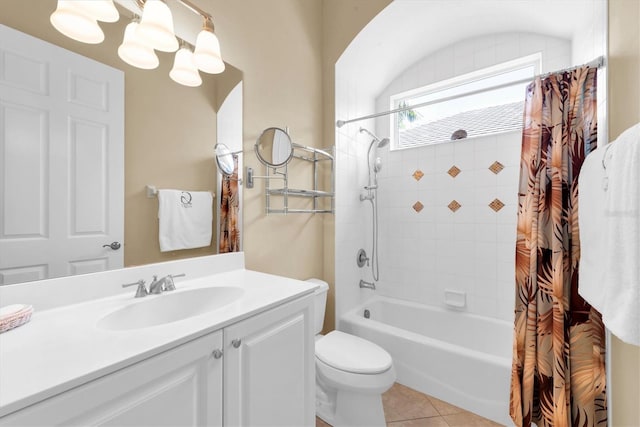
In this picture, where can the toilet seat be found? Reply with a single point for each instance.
(352, 354)
(360, 383)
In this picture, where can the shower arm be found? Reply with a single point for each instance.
(375, 138)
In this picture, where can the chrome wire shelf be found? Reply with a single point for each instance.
(323, 200)
(301, 193)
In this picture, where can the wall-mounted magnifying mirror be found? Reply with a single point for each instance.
(224, 158)
(274, 147)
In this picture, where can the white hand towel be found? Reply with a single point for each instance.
(592, 184)
(185, 219)
(621, 313)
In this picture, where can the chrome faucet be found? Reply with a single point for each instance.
(367, 285)
(141, 291)
(165, 283)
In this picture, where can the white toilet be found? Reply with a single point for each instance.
(351, 374)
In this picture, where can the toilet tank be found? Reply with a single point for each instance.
(320, 303)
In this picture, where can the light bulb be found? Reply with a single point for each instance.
(207, 54)
(134, 52)
(184, 70)
(73, 22)
(156, 27)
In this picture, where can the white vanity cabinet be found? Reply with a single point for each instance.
(180, 387)
(269, 371)
(258, 371)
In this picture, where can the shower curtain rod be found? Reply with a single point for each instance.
(596, 63)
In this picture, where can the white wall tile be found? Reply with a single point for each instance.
(483, 305)
(531, 43)
(506, 233)
(487, 233)
(463, 64)
(485, 57)
(444, 64)
(464, 233)
(507, 50)
(426, 69)
(505, 272)
(506, 301)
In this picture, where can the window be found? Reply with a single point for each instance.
(484, 102)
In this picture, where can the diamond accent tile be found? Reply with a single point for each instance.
(454, 171)
(496, 167)
(417, 206)
(496, 205)
(454, 205)
(417, 175)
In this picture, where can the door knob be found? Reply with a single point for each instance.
(114, 245)
(236, 343)
(217, 354)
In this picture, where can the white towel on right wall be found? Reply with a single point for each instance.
(618, 298)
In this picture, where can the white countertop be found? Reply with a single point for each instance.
(62, 347)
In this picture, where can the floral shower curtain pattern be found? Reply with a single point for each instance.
(229, 232)
(558, 371)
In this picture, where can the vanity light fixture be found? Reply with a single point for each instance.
(134, 52)
(156, 26)
(99, 10)
(184, 69)
(78, 19)
(207, 54)
(72, 20)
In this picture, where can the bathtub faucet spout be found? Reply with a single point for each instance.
(367, 285)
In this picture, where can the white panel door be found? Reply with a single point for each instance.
(61, 161)
(269, 376)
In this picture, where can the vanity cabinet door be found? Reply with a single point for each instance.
(180, 387)
(269, 376)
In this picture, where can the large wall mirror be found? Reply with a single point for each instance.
(168, 134)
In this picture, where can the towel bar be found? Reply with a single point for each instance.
(152, 191)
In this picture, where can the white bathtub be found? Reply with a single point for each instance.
(461, 358)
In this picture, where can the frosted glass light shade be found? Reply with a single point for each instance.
(134, 52)
(156, 27)
(74, 23)
(184, 70)
(207, 55)
(100, 10)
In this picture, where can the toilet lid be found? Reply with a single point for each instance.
(352, 354)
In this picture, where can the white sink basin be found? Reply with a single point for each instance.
(169, 307)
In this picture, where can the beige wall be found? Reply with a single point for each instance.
(624, 111)
(277, 46)
(169, 129)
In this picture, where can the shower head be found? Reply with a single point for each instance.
(381, 142)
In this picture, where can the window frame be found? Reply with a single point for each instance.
(396, 99)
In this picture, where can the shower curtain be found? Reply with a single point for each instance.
(558, 372)
(229, 232)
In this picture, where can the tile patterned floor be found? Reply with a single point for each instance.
(405, 407)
